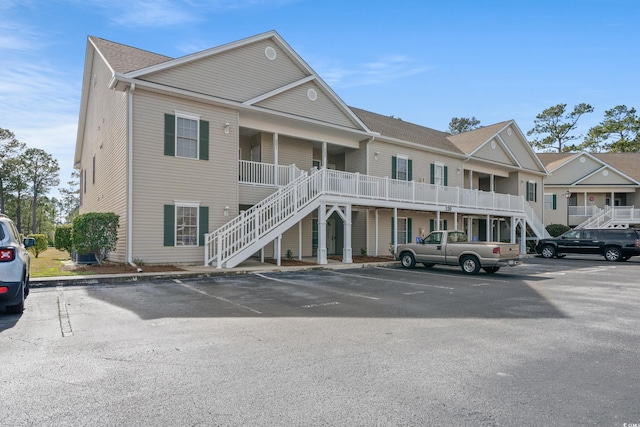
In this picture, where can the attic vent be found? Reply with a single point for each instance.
(312, 94)
(605, 173)
(509, 131)
(270, 53)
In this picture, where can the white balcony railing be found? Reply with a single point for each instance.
(266, 174)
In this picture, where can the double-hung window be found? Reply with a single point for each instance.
(402, 234)
(439, 174)
(550, 202)
(532, 190)
(401, 168)
(186, 225)
(186, 137)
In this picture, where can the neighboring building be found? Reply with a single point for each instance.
(603, 188)
(211, 157)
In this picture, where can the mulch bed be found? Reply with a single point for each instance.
(113, 268)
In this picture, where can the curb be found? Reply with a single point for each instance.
(49, 282)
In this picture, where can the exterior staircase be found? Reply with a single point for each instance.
(613, 217)
(250, 231)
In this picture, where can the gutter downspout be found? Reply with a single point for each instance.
(129, 236)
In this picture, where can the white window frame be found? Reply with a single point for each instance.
(438, 174)
(188, 116)
(405, 221)
(531, 191)
(196, 206)
(405, 159)
(548, 201)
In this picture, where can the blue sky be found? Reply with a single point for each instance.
(424, 61)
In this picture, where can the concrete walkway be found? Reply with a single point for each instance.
(194, 271)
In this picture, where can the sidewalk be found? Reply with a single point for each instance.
(195, 271)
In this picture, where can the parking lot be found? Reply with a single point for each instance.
(552, 342)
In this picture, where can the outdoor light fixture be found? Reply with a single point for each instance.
(376, 155)
(226, 129)
(226, 210)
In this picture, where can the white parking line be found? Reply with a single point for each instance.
(431, 273)
(326, 289)
(216, 297)
(391, 281)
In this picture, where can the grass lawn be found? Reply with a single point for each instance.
(49, 264)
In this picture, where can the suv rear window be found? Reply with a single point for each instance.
(619, 234)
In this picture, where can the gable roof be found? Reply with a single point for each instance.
(125, 59)
(626, 164)
(399, 129)
(469, 141)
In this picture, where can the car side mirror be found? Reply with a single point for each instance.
(29, 241)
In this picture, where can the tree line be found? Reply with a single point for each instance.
(554, 130)
(26, 176)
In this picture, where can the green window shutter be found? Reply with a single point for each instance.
(554, 207)
(203, 223)
(409, 233)
(393, 230)
(432, 225)
(169, 135)
(444, 224)
(394, 167)
(446, 176)
(169, 225)
(433, 173)
(410, 167)
(535, 191)
(204, 140)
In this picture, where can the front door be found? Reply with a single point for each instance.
(331, 236)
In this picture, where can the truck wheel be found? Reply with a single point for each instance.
(491, 270)
(470, 265)
(612, 254)
(407, 260)
(548, 251)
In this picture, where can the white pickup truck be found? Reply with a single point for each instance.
(452, 248)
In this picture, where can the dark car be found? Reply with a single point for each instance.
(615, 244)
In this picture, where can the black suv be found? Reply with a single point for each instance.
(615, 244)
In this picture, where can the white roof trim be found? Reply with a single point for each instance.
(279, 90)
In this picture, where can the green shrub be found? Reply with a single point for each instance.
(557, 229)
(95, 233)
(41, 244)
(62, 238)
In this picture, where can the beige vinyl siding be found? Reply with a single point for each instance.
(295, 101)
(573, 171)
(358, 231)
(356, 160)
(421, 162)
(160, 180)
(605, 177)
(105, 137)
(252, 194)
(494, 152)
(525, 156)
(295, 151)
(239, 74)
(302, 130)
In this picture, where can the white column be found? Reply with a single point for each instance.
(437, 220)
(322, 234)
(376, 253)
(278, 244)
(523, 237)
(489, 229)
(324, 154)
(455, 220)
(470, 228)
(275, 159)
(395, 230)
(299, 240)
(492, 180)
(514, 224)
(347, 251)
(470, 180)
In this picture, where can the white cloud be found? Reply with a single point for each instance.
(381, 71)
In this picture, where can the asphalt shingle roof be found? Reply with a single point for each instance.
(124, 59)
